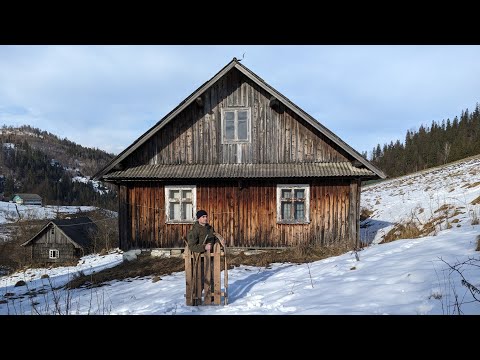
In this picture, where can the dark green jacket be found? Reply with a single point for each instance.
(196, 237)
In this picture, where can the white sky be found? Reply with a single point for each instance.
(401, 277)
(107, 96)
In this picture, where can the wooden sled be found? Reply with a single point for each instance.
(203, 276)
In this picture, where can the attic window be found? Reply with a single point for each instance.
(53, 254)
(52, 230)
(236, 125)
(293, 204)
(181, 202)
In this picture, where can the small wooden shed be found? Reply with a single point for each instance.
(27, 199)
(62, 241)
(268, 173)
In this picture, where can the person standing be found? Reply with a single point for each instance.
(201, 236)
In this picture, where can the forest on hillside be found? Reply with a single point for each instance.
(32, 161)
(441, 143)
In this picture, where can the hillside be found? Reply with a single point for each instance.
(35, 161)
(67, 153)
(433, 272)
(422, 203)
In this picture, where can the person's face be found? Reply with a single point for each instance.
(203, 220)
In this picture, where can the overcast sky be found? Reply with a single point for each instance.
(108, 96)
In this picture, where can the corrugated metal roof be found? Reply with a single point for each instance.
(232, 171)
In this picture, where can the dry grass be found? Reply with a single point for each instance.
(409, 230)
(478, 243)
(444, 208)
(476, 201)
(469, 186)
(365, 213)
(157, 267)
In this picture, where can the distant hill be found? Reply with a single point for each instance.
(59, 170)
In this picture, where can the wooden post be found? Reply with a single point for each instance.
(203, 277)
(216, 274)
(188, 276)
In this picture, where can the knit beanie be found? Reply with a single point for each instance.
(200, 213)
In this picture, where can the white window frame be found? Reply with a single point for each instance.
(193, 189)
(53, 254)
(249, 125)
(306, 188)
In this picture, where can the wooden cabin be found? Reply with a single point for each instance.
(62, 241)
(27, 199)
(268, 174)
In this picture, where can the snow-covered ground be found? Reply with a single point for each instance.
(96, 185)
(11, 212)
(410, 276)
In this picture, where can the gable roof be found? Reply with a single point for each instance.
(77, 230)
(262, 84)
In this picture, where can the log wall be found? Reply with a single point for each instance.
(244, 213)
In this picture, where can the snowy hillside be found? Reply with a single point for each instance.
(433, 200)
(10, 212)
(425, 275)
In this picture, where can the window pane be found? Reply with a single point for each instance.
(229, 115)
(175, 211)
(242, 115)
(299, 211)
(187, 211)
(175, 194)
(286, 210)
(300, 193)
(286, 193)
(229, 130)
(187, 195)
(242, 130)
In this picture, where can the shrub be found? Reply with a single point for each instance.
(20, 283)
(365, 213)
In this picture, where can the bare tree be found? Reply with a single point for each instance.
(446, 151)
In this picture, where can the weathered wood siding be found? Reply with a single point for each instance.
(277, 134)
(245, 216)
(57, 241)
